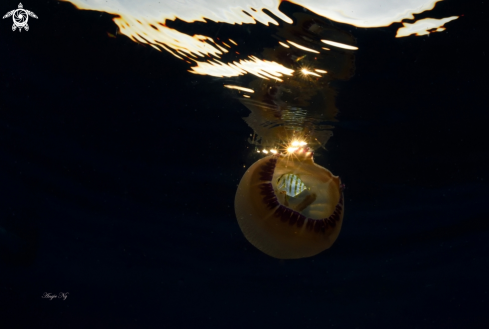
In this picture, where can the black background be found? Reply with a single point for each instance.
(118, 170)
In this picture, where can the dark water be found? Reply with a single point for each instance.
(118, 170)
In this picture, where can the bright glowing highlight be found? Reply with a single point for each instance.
(424, 26)
(339, 45)
(302, 47)
(248, 90)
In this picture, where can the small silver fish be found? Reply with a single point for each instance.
(291, 185)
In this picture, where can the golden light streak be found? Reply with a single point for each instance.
(261, 68)
(423, 26)
(306, 72)
(233, 42)
(273, 151)
(320, 71)
(302, 47)
(284, 44)
(247, 96)
(248, 90)
(339, 45)
(220, 47)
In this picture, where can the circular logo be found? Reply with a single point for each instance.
(20, 17)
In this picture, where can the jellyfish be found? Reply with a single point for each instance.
(289, 207)
(286, 205)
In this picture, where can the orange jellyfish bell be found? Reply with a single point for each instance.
(289, 207)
